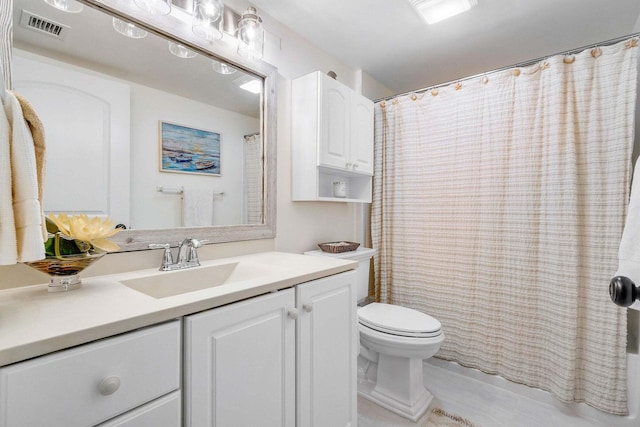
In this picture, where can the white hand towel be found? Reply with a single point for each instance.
(629, 251)
(197, 207)
(8, 244)
(26, 206)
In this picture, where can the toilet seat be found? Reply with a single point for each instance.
(400, 321)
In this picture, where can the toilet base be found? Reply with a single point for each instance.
(398, 387)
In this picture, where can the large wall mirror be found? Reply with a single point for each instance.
(159, 133)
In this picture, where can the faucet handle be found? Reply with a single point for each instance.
(167, 257)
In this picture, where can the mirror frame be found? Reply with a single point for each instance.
(179, 31)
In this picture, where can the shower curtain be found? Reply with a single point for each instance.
(498, 208)
(253, 178)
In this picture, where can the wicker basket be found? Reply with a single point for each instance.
(338, 247)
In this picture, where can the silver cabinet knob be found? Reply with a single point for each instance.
(307, 307)
(109, 385)
(293, 313)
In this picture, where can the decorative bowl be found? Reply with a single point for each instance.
(63, 270)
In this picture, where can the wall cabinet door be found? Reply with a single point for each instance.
(240, 364)
(327, 351)
(361, 134)
(335, 131)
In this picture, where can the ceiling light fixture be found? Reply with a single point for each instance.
(249, 84)
(181, 51)
(127, 29)
(438, 10)
(221, 67)
(70, 6)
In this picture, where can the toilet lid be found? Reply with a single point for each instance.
(397, 320)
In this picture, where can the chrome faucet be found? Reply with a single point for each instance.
(187, 254)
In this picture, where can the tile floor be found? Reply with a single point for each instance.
(483, 404)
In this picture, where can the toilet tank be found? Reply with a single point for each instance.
(363, 256)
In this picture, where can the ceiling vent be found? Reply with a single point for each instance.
(31, 21)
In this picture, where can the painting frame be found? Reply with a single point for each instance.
(190, 150)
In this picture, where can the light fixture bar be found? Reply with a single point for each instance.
(438, 10)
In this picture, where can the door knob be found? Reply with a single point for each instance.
(623, 291)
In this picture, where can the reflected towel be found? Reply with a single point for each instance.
(629, 251)
(197, 207)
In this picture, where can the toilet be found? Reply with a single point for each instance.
(394, 341)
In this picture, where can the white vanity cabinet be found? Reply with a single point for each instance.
(327, 350)
(250, 363)
(332, 140)
(95, 382)
(239, 365)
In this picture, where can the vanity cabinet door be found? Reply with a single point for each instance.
(327, 351)
(239, 365)
(92, 383)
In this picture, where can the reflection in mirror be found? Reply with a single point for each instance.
(146, 131)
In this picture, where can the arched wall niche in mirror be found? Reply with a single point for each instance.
(159, 129)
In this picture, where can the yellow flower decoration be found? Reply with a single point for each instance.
(95, 231)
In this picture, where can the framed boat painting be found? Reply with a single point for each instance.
(185, 149)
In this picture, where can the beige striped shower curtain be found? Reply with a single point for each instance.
(499, 204)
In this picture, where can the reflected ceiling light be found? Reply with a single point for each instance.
(250, 35)
(181, 51)
(127, 29)
(70, 6)
(207, 19)
(437, 10)
(221, 67)
(249, 84)
(154, 7)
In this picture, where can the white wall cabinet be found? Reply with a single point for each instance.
(250, 363)
(95, 382)
(332, 140)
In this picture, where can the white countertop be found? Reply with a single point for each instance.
(34, 322)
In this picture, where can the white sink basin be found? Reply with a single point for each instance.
(170, 283)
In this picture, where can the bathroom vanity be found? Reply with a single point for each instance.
(272, 343)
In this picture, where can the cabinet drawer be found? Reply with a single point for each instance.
(92, 383)
(162, 412)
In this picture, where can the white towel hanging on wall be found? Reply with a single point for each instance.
(197, 207)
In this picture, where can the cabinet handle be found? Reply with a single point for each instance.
(355, 166)
(293, 313)
(348, 165)
(307, 307)
(109, 386)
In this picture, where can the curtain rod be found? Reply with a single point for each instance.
(520, 64)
